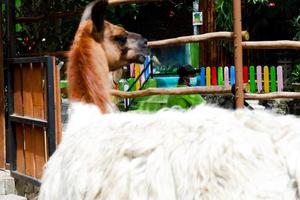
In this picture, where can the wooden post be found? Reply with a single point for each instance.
(2, 101)
(238, 53)
(11, 27)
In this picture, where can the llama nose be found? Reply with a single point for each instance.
(143, 42)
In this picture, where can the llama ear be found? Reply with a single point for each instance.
(97, 15)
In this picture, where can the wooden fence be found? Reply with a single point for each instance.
(34, 115)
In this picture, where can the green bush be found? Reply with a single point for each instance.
(295, 77)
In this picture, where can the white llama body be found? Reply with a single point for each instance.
(205, 153)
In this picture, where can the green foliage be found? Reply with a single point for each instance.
(296, 24)
(224, 18)
(224, 11)
(56, 34)
(295, 78)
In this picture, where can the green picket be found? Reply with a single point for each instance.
(273, 79)
(252, 79)
(220, 76)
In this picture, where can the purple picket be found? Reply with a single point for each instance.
(279, 79)
(226, 76)
(132, 70)
(143, 76)
(259, 79)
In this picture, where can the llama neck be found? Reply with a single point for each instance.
(88, 70)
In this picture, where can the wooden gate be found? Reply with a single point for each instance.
(34, 125)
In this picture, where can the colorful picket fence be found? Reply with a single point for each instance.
(260, 78)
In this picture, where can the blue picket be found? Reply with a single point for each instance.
(232, 75)
(202, 76)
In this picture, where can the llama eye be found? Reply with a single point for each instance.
(121, 39)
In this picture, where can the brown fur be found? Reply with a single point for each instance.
(91, 57)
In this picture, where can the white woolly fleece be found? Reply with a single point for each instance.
(205, 153)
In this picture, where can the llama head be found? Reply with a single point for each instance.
(121, 47)
(99, 47)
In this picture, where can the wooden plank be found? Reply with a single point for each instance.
(27, 78)
(37, 91)
(29, 151)
(57, 103)
(28, 120)
(38, 112)
(18, 109)
(20, 151)
(18, 95)
(28, 111)
(39, 151)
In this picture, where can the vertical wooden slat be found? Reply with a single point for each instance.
(39, 151)
(37, 91)
(38, 112)
(18, 109)
(29, 150)
(57, 103)
(28, 111)
(20, 148)
(18, 96)
(27, 90)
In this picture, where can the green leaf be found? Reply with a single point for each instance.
(18, 27)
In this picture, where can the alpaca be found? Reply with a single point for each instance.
(203, 153)
(99, 47)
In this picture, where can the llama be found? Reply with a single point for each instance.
(203, 153)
